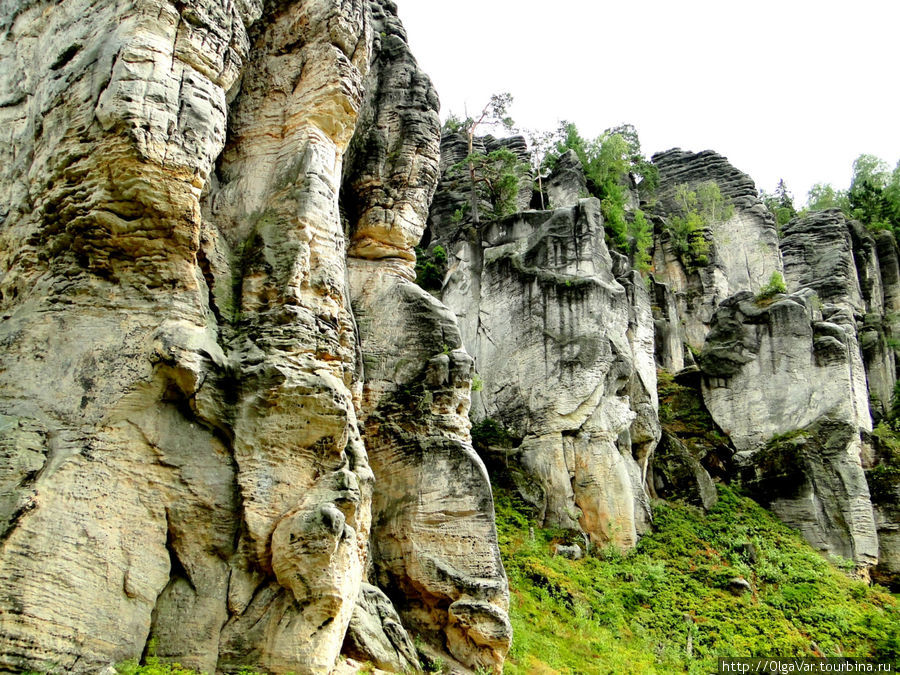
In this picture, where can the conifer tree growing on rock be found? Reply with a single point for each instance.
(495, 113)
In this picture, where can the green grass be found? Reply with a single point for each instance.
(632, 614)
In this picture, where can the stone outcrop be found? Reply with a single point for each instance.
(441, 568)
(183, 384)
(743, 249)
(564, 349)
(376, 634)
(792, 368)
(566, 185)
(839, 260)
(856, 271)
(230, 421)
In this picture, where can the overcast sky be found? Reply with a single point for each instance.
(792, 89)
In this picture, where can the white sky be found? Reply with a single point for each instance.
(792, 89)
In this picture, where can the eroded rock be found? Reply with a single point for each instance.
(565, 353)
(743, 250)
(785, 368)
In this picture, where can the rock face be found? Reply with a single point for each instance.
(791, 368)
(442, 569)
(183, 394)
(230, 421)
(376, 634)
(839, 260)
(566, 185)
(565, 352)
(743, 249)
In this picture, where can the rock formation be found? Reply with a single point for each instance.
(184, 384)
(743, 249)
(231, 422)
(564, 349)
(808, 360)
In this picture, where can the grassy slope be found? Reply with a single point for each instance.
(632, 614)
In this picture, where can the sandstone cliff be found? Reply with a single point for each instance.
(196, 430)
(232, 423)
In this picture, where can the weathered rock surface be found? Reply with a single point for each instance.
(124, 492)
(784, 368)
(181, 373)
(434, 546)
(565, 352)
(839, 260)
(812, 480)
(566, 185)
(743, 249)
(434, 542)
(675, 474)
(775, 368)
(376, 634)
(884, 487)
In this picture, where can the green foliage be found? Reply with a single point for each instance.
(453, 124)
(873, 197)
(489, 432)
(155, 667)
(477, 382)
(780, 203)
(641, 240)
(431, 266)
(494, 113)
(874, 194)
(775, 286)
(823, 196)
(632, 613)
(497, 176)
(607, 162)
(699, 209)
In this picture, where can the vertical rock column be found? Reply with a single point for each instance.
(784, 383)
(116, 494)
(565, 353)
(302, 470)
(743, 249)
(434, 542)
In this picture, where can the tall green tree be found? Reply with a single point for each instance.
(868, 203)
(780, 203)
(495, 113)
(823, 196)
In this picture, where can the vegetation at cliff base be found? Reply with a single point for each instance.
(671, 605)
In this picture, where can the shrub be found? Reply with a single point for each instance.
(431, 266)
(699, 209)
(775, 286)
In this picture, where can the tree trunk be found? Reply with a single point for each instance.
(473, 192)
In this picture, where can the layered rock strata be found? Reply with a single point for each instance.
(564, 348)
(743, 248)
(840, 261)
(182, 382)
